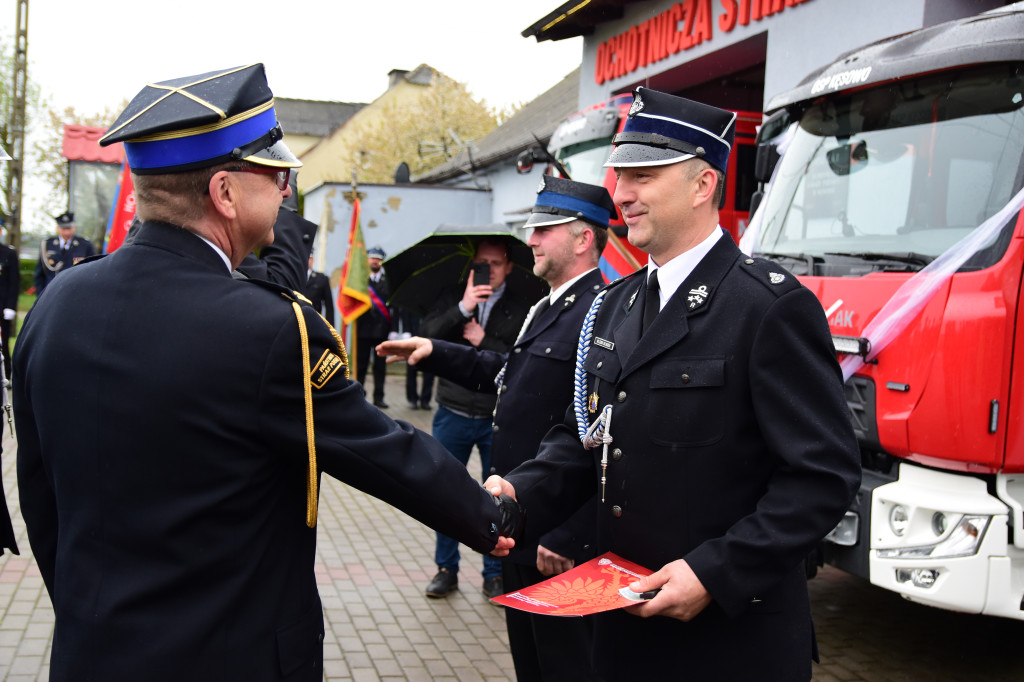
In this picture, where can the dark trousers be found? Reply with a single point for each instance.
(545, 647)
(418, 396)
(6, 329)
(365, 354)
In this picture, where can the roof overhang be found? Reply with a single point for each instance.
(576, 18)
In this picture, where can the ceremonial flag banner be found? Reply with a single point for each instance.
(601, 584)
(354, 293)
(616, 260)
(123, 213)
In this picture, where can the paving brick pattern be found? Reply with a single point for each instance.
(373, 564)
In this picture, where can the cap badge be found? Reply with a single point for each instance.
(776, 278)
(697, 296)
(637, 106)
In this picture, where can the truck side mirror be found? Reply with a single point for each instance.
(765, 161)
(524, 162)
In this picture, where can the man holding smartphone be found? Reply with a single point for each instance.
(488, 316)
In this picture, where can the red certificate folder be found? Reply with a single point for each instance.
(601, 584)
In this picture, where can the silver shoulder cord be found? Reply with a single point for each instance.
(600, 431)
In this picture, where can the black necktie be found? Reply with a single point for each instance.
(652, 304)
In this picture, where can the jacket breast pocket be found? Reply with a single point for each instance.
(687, 401)
(555, 349)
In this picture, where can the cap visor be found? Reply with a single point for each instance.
(545, 219)
(625, 155)
(276, 155)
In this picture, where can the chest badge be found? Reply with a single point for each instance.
(776, 277)
(697, 296)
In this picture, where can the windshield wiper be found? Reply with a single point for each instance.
(803, 258)
(908, 257)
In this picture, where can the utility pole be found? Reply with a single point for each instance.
(16, 132)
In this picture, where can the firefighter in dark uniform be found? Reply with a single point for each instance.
(10, 287)
(731, 451)
(60, 252)
(168, 468)
(568, 231)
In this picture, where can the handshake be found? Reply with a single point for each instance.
(512, 519)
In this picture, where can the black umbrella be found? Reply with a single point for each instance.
(418, 275)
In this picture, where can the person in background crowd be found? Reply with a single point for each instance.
(60, 252)
(168, 466)
(374, 326)
(318, 291)
(732, 453)
(10, 287)
(486, 316)
(419, 385)
(568, 230)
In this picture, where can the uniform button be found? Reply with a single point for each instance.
(749, 261)
(616, 511)
(599, 365)
(494, 428)
(621, 397)
(320, 637)
(616, 454)
(518, 350)
(686, 378)
(547, 350)
(504, 387)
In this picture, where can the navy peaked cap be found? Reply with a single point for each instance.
(561, 201)
(203, 120)
(663, 129)
(376, 252)
(65, 219)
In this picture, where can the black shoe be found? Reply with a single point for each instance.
(379, 402)
(444, 582)
(493, 587)
(425, 405)
(413, 405)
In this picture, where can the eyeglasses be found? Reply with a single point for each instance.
(280, 176)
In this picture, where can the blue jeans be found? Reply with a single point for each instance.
(458, 435)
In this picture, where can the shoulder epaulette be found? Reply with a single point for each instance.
(289, 294)
(772, 276)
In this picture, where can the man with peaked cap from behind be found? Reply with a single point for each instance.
(732, 453)
(568, 231)
(173, 421)
(60, 251)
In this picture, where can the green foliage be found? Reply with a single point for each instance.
(444, 118)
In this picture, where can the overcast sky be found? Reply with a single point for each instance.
(93, 54)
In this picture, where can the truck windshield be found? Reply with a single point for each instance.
(900, 172)
(585, 160)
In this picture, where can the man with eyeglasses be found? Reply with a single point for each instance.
(173, 421)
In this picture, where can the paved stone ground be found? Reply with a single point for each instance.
(373, 564)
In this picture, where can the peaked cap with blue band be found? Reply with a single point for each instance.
(65, 219)
(562, 201)
(663, 129)
(200, 121)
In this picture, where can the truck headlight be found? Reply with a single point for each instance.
(963, 540)
(899, 519)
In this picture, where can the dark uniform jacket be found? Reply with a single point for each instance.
(446, 322)
(285, 260)
(534, 393)
(162, 467)
(318, 291)
(53, 260)
(372, 324)
(733, 450)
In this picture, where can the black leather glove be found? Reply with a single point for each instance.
(513, 517)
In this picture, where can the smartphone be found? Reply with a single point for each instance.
(481, 274)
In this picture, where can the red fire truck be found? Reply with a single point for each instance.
(897, 200)
(582, 143)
